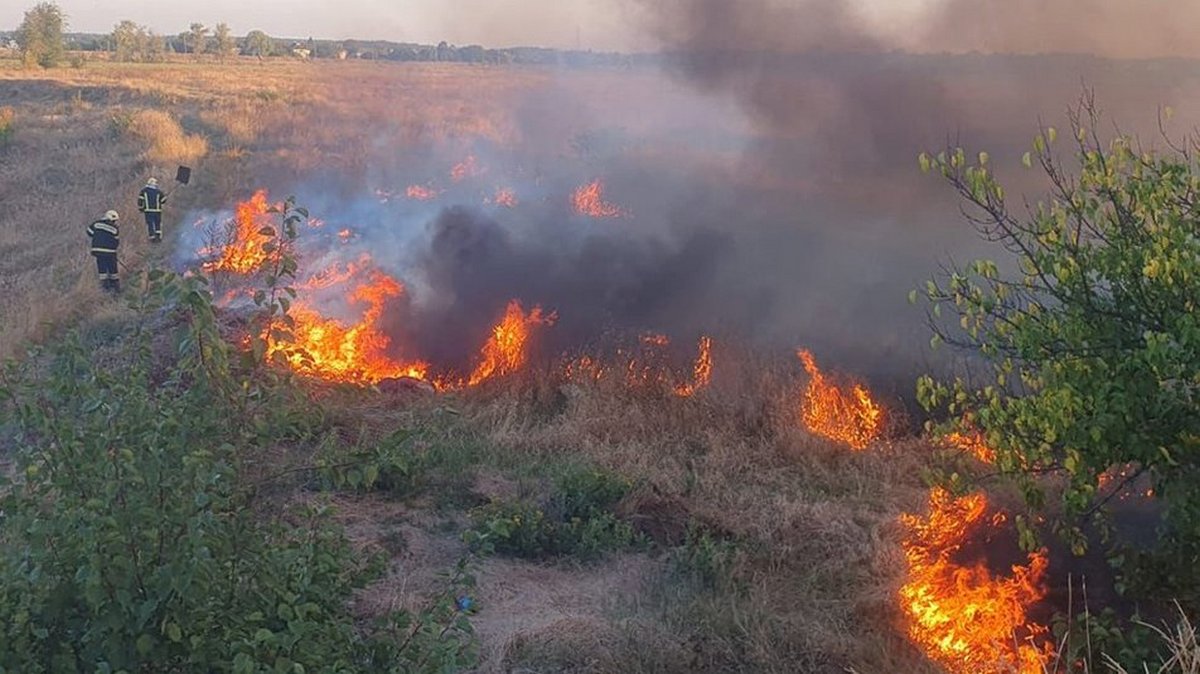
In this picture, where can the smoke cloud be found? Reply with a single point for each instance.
(766, 167)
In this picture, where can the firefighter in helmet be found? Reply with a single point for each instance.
(150, 203)
(106, 237)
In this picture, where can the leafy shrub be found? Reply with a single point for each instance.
(584, 493)
(396, 465)
(704, 559)
(577, 520)
(128, 543)
(1091, 338)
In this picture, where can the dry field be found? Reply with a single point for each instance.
(810, 581)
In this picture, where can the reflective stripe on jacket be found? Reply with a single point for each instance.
(151, 200)
(105, 235)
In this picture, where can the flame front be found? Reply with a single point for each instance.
(245, 252)
(961, 616)
(506, 351)
(851, 417)
(330, 349)
(589, 200)
(701, 371)
(421, 193)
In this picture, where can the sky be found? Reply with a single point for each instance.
(1117, 28)
(589, 24)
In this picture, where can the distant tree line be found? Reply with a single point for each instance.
(42, 41)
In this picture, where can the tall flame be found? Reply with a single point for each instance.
(701, 371)
(356, 353)
(961, 616)
(851, 417)
(589, 200)
(506, 351)
(245, 252)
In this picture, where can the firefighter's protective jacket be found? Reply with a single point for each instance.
(151, 200)
(106, 236)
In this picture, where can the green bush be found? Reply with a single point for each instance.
(128, 541)
(577, 520)
(704, 559)
(395, 466)
(1089, 329)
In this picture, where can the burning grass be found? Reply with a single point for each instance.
(961, 615)
(589, 200)
(845, 414)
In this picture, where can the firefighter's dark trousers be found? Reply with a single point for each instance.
(154, 225)
(106, 264)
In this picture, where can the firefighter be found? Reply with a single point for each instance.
(150, 203)
(106, 237)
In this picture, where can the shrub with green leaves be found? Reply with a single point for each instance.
(395, 465)
(576, 520)
(129, 542)
(1093, 338)
(705, 559)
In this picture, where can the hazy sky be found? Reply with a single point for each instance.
(597, 24)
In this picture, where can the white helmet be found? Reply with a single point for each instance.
(153, 182)
(112, 216)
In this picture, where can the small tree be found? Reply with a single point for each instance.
(259, 43)
(40, 36)
(134, 42)
(1093, 340)
(223, 41)
(197, 38)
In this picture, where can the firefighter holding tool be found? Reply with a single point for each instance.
(150, 203)
(106, 237)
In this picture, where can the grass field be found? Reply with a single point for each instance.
(761, 548)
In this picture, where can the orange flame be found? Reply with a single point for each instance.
(505, 352)
(334, 275)
(505, 197)
(421, 193)
(963, 617)
(330, 349)
(851, 417)
(701, 371)
(589, 200)
(246, 253)
(974, 444)
(466, 168)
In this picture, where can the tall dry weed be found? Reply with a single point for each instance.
(168, 143)
(7, 118)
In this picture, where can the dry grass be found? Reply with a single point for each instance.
(88, 137)
(165, 140)
(1183, 646)
(815, 522)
